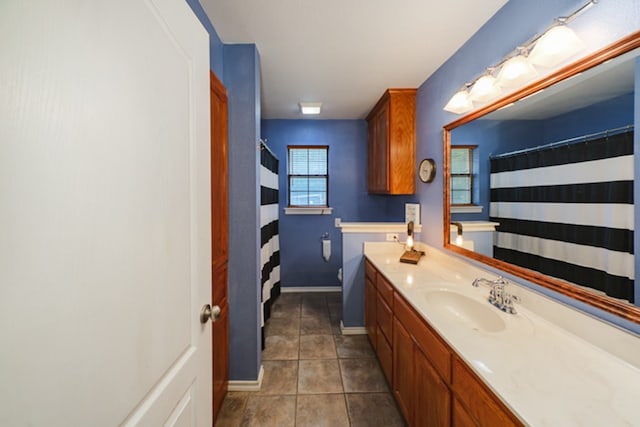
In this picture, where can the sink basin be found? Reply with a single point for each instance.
(476, 315)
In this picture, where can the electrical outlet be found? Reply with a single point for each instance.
(392, 237)
(338, 221)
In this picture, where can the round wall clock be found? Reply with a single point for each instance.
(427, 170)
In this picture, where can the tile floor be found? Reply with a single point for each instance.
(313, 375)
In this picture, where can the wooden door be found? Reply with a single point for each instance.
(219, 234)
(104, 215)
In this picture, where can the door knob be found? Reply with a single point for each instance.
(209, 312)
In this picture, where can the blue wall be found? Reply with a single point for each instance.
(242, 80)
(610, 114)
(513, 24)
(300, 235)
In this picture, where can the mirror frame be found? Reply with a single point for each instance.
(607, 304)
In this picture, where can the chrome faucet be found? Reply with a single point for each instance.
(498, 295)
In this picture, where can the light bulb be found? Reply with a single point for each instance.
(555, 46)
(515, 72)
(459, 103)
(409, 242)
(485, 89)
(459, 240)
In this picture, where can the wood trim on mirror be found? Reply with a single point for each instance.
(607, 304)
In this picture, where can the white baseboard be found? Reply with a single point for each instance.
(247, 385)
(288, 289)
(352, 330)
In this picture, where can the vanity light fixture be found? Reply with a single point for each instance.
(460, 102)
(485, 89)
(308, 108)
(557, 44)
(516, 71)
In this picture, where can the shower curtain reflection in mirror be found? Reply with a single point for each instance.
(566, 210)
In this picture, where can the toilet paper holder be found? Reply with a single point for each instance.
(326, 246)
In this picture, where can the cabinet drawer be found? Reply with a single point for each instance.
(384, 317)
(385, 289)
(385, 356)
(370, 271)
(480, 403)
(436, 351)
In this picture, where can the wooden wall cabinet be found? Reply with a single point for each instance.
(431, 384)
(391, 149)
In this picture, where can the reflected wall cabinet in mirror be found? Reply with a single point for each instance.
(554, 174)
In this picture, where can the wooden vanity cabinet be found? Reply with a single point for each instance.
(431, 384)
(378, 315)
(422, 369)
(391, 148)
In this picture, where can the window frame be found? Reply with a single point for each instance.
(470, 175)
(290, 176)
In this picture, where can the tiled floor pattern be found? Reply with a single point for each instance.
(313, 375)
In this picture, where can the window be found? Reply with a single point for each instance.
(462, 175)
(308, 176)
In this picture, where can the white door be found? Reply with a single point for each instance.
(104, 214)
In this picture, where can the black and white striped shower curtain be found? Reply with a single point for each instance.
(567, 211)
(270, 243)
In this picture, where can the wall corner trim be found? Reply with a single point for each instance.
(248, 385)
(352, 330)
(290, 289)
(466, 209)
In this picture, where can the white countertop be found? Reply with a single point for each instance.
(545, 374)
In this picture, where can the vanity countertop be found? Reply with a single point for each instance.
(545, 374)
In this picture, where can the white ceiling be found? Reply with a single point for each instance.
(345, 53)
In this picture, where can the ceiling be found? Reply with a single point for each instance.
(345, 53)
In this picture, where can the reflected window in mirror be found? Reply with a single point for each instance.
(464, 175)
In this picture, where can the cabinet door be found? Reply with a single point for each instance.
(384, 317)
(370, 297)
(378, 174)
(432, 396)
(461, 417)
(385, 356)
(403, 378)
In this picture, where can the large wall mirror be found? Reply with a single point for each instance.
(541, 183)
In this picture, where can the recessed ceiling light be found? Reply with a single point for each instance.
(310, 107)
